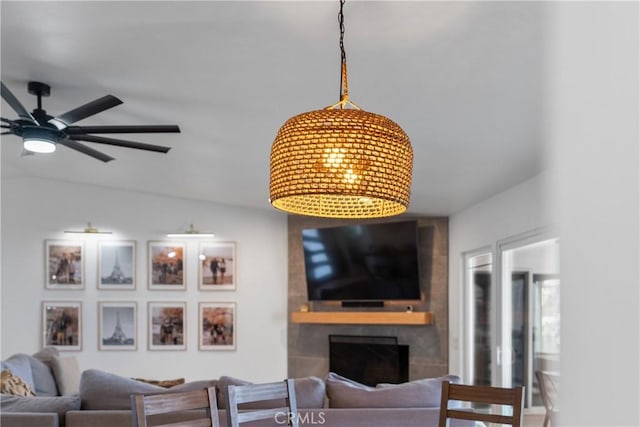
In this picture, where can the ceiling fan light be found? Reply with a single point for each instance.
(39, 145)
(39, 140)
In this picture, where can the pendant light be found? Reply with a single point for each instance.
(341, 161)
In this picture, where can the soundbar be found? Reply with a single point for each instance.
(368, 304)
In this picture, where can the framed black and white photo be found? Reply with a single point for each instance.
(217, 326)
(62, 325)
(117, 265)
(166, 265)
(64, 264)
(217, 266)
(167, 322)
(117, 325)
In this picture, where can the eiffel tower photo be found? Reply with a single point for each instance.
(118, 337)
(117, 275)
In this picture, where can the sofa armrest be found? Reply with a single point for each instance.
(30, 419)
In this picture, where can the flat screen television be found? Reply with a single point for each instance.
(365, 262)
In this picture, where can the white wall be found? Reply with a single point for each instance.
(34, 210)
(591, 196)
(523, 208)
(593, 94)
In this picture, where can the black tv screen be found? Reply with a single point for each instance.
(368, 262)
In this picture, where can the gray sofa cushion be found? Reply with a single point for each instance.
(41, 404)
(310, 393)
(101, 390)
(425, 393)
(19, 366)
(28, 419)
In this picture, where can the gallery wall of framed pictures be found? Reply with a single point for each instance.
(120, 323)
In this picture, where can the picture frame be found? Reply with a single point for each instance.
(217, 266)
(167, 325)
(217, 326)
(117, 325)
(64, 264)
(117, 265)
(166, 265)
(62, 325)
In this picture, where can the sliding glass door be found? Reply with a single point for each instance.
(480, 340)
(512, 306)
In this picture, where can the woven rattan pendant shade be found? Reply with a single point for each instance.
(341, 163)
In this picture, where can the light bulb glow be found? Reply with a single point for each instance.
(39, 145)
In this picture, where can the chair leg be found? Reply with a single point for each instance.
(546, 419)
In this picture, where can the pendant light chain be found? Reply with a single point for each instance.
(344, 85)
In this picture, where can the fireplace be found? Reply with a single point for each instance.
(369, 360)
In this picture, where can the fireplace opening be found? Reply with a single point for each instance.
(369, 360)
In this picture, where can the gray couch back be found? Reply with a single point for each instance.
(328, 417)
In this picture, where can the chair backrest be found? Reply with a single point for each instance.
(513, 397)
(549, 383)
(160, 405)
(283, 391)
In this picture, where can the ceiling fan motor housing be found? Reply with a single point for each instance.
(33, 132)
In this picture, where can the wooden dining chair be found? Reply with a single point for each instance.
(281, 392)
(513, 397)
(170, 408)
(549, 384)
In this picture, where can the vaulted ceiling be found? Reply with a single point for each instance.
(464, 80)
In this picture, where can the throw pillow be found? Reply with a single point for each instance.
(19, 365)
(45, 384)
(67, 374)
(57, 404)
(14, 385)
(425, 393)
(100, 390)
(162, 383)
(310, 394)
(43, 379)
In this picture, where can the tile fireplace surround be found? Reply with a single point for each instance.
(308, 352)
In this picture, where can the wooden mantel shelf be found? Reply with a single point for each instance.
(364, 317)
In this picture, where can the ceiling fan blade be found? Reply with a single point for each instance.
(85, 150)
(6, 133)
(121, 143)
(8, 96)
(76, 130)
(86, 110)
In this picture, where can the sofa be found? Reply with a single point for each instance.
(94, 398)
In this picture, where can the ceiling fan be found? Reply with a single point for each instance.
(41, 133)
